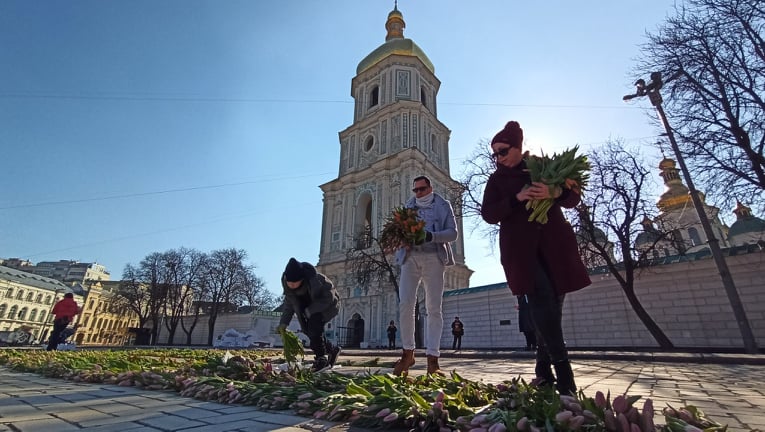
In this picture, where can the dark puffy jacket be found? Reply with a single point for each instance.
(322, 293)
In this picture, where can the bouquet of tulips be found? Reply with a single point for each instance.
(565, 170)
(403, 227)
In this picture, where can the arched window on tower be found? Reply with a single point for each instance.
(433, 142)
(364, 222)
(374, 97)
(423, 97)
(693, 233)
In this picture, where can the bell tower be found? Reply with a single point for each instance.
(395, 137)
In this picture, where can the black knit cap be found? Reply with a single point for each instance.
(294, 271)
(511, 135)
(69, 295)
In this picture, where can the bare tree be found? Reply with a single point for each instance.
(225, 279)
(614, 206)
(254, 293)
(182, 275)
(476, 171)
(132, 294)
(715, 50)
(144, 292)
(370, 265)
(194, 310)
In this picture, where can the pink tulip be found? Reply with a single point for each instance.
(563, 416)
(620, 404)
(498, 427)
(522, 423)
(600, 400)
(391, 417)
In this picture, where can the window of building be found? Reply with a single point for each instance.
(3, 308)
(693, 233)
(20, 295)
(48, 300)
(30, 296)
(9, 294)
(13, 312)
(42, 316)
(23, 314)
(374, 96)
(33, 315)
(364, 222)
(369, 143)
(423, 98)
(39, 298)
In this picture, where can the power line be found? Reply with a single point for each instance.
(160, 192)
(182, 98)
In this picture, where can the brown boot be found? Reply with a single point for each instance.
(433, 367)
(402, 365)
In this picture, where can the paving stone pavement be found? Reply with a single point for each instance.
(731, 391)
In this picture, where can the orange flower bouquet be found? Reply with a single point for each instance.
(403, 228)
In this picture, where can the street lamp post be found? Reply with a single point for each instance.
(652, 91)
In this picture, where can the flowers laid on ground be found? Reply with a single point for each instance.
(565, 170)
(403, 227)
(422, 404)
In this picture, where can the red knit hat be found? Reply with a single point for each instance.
(511, 135)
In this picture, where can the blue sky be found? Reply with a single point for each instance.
(132, 127)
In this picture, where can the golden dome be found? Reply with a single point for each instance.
(395, 44)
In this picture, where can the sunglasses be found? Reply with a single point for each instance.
(420, 189)
(502, 152)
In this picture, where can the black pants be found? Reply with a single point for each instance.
(546, 311)
(531, 339)
(314, 329)
(457, 343)
(59, 325)
(392, 342)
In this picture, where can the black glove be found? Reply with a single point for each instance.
(428, 236)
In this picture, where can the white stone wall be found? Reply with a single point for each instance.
(686, 299)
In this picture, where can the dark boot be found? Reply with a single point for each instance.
(320, 363)
(543, 372)
(433, 367)
(404, 363)
(565, 384)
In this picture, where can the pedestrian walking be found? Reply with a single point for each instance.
(64, 312)
(312, 297)
(458, 329)
(392, 329)
(540, 261)
(426, 263)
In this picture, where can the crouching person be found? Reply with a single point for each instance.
(313, 298)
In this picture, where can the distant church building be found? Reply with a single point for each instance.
(747, 229)
(395, 137)
(679, 218)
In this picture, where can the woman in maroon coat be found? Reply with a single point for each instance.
(540, 261)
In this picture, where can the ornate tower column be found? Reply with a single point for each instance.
(395, 137)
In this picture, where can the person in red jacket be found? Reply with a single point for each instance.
(64, 312)
(541, 261)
